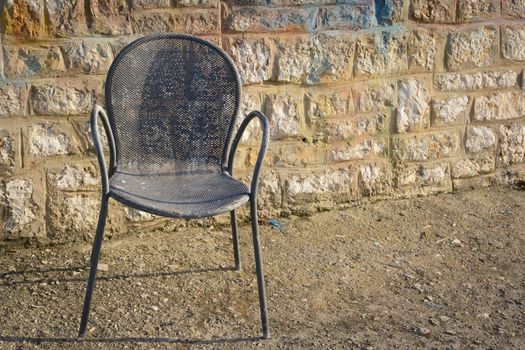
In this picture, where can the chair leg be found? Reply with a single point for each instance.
(95, 253)
(259, 267)
(235, 238)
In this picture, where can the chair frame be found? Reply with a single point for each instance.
(107, 172)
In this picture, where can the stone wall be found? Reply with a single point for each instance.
(365, 98)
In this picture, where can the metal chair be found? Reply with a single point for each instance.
(172, 106)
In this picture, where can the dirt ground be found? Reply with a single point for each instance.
(443, 272)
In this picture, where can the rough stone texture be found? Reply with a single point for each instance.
(285, 114)
(72, 217)
(134, 215)
(362, 124)
(370, 98)
(347, 17)
(75, 178)
(513, 43)
(374, 179)
(28, 61)
(109, 17)
(381, 54)
(358, 149)
(66, 17)
(328, 182)
(479, 138)
(149, 4)
(476, 81)
(328, 104)
(23, 18)
(513, 8)
(187, 21)
(315, 58)
(67, 98)
(437, 11)
(413, 105)
(427, 146)
(12, 100)
(46, 140)
(506, 105)
(449, 110)
(421, 50)
(87, 57)
(473, 166)
(428, 174)
(253, 59)
(476, 9)
(511, 144)
(471, 48)
(390, 11)
(7, 153)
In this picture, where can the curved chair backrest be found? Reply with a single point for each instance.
(172, 101)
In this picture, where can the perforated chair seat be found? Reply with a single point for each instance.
(180, 195)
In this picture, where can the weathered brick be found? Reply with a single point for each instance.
(356, 125)
(506, 105)
(87, 57)
(473, 166)
(447, 111)
(372, 97)
(23, 18)
(253, 58)
(426, 146)
(513, 43)
(30, 61)
(13, 99)
(413, 106)
(511, 144)
(381, 54)
(322, 104)
(7, 153)
(475, 81)
(66, 98)
(513, 8)
(201, 21)
(469, 10)
(109, 17)
(358, 149)
(436, 11)
(47, 139)
(421, 50)
(285, 113)
(314, 58)
(66, 17)
(479, 138)
(471, 48)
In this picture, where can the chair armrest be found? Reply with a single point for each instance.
(262, 150)
(105, 173)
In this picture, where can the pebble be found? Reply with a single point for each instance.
(154, 308)
(443, 318)
(457, 243)
(103, 267)
(423, 331)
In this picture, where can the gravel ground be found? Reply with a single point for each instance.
(443, 272)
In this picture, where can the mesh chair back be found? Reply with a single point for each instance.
(172, 101)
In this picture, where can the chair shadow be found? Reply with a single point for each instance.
(125, 340)
(99, 278)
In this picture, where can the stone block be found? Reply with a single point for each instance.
(513, 43)
(358, 149)
(471, 48)
(449, 110)
(390, 11)
(22, 62)
(472, 10)
(374, 178)
(285, 112)
(413, 106)
(505, 105)
(479, 138)
(72, 217)
(135, 216)
(200, 3)
(66, 17)
(324, 103)
(294, 155)
(69, 97)
(475, 165)
(381, 54)
(87, 57)
(253, 58)
(513, 8)
(109, 17)
(74, 177)
(426, 174)
(8, 155)
(476, 81)
(320, 185)
(149, 4)
(23, 203)
(23, 18)
(314, 58)
(511, 144)
(83, 129)
(251, 101)
(372, 97)
(13, 98)
(47, 139)
(421, 50)
(355, 125)
(433, 11)
(193, 21)
(348, 17)
(426, 146)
